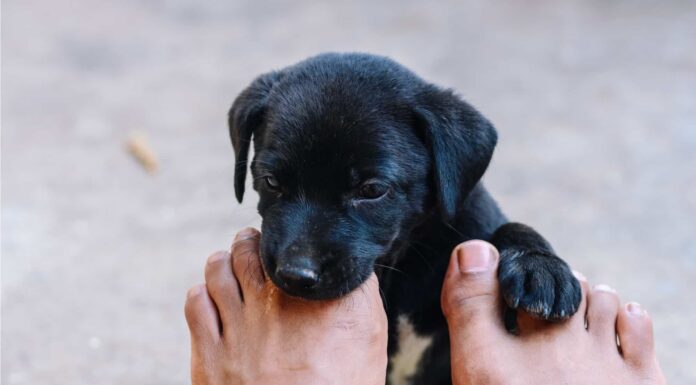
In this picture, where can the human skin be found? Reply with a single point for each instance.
(582, 350)
(246, 331)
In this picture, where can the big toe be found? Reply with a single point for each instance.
(246, 261)
(366, 300)
(470, 295)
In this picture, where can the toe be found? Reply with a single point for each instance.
(579, 319)
(635, 331)
(365, 309)
(222, 285)
(602, 309)
(201, 316)
(372, 305)
(470, 295)
(246, 262)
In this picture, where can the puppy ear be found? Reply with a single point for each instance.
(461, 143)
(245, 117)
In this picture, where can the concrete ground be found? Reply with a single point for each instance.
(595, 102)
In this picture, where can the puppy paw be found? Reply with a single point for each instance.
(539, 283)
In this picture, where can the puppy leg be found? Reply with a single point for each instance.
(532, 277)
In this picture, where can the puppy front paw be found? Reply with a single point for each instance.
(539, 283)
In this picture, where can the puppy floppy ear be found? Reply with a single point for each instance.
(245, 117)
(460, 141)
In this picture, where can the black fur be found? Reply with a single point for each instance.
(334, 132)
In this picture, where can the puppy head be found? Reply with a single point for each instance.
(352, 151)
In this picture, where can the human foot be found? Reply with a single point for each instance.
(245, 331)
(582, 350)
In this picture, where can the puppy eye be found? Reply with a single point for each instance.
(272, 183)
(372, 190)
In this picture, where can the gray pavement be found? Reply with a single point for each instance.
(595, 102)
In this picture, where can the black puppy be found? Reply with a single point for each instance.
(361, 166)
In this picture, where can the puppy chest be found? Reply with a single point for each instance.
(411, 349)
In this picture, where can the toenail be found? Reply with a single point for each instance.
(476, 256)
(579, 276)
(194, 291)
(218, 256)
(635, 309)
(245, 233)
(602, 287)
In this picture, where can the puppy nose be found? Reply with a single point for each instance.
(298, 275)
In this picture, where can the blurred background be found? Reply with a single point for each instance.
(595, 103)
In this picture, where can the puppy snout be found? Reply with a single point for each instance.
(301, 273)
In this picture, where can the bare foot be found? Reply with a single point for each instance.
(582, 350)
(245, 331)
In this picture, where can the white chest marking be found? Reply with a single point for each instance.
(411, 349)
